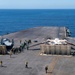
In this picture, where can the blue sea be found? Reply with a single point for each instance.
(13, 20)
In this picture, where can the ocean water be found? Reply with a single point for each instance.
(21, 19)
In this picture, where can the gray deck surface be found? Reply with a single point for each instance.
(44, 32)
(15, 65)
(71, 40)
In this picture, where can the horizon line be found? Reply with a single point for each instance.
(35, 9)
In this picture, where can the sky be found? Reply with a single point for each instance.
(37, 4)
